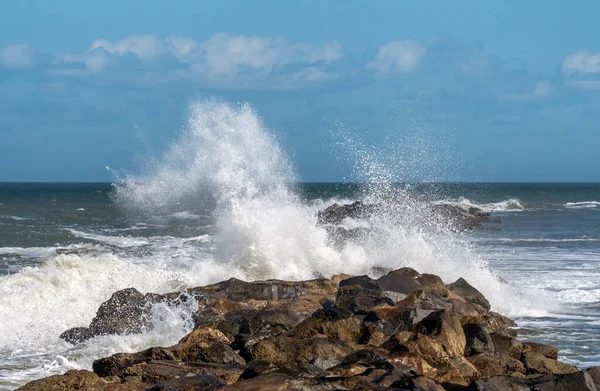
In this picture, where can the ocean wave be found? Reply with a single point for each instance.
(508, 205)
(582, 204)
(544, 240)
(579, 295)
(117, 241)
(186, 215)
(14, 218)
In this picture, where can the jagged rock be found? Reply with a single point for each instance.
(459, 372)
(495, 322)
(445, 329)
(496, 365)
(331, 322)
(72, 380)
(162, 371)
(123, 313)
(77, 335)
(462, 288)
(335, 213)
(478, 340)
(538, 348)
(204, 337)
(507, 345)
(120, 364)
(282, 350)
(586, 380)
(191, 383)
(536, 363)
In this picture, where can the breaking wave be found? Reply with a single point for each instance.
(508, 205)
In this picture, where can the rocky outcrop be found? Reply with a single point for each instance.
(458, 217)
(404, 330)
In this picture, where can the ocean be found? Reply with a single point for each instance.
(225, 202)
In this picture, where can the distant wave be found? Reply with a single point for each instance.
(582, 204)
(118, 241)
(185, 215)
(509, 205)
(538, 240)
(15, 218)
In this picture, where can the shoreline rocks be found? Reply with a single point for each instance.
(402, 331)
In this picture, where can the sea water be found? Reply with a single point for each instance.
(224, 202)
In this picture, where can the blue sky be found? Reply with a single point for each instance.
(475, 91)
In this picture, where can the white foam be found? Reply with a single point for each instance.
(119, 241)
(582, 205)
(508, 205)
(579, 295)
(185, 215)
(15, 218)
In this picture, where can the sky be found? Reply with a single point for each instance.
(467, 91)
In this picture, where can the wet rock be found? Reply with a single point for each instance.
(501, 383)
(490, 365)
(462, 288)
(586, 380)
(536, 363)
(72, 380)
(191, 383)
(335, 213)
(507, 345)
(238, 290)
(77, 335)
(117, 364)
(204, 337)
(330, 321)
(538, 348)
(478, 340)
(123, 313)
(495, 322)
(445, 329)
(458, 372)
(163, 371)
(282, 350)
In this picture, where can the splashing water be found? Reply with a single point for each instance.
(226, 164)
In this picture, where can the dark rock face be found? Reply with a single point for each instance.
(404, 330)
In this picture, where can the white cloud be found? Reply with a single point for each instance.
(397, 57)
(581, 63)
(543, 88)
(222, 59)
(17, 56)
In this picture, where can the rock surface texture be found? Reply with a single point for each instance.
(401, 331)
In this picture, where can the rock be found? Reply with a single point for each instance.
(163, 371)
(536, 363)
(332, 322)
(507, 345)
(538, 348)
(123, 313)
(495, 322)
(478, 340)
(204, 337)
(335, 213)
(238, 290)
(462, 288)
(445, 329)
(490, 365)
(72, 380)
(191, 383)
(501, 383)
(117, 364)
(458, 372)
(282, 350)
(586, 380)
(77, 335)
(430, 350)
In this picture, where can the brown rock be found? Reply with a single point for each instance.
(282, 350)
(458, 372)
(490, 365)
(536, 363)
(462, 288)
(191, 383)
(478, 340)
(204, 337)
(72, 380)
(446, 329)
(495, 322)
(544, 350)
(507, 345)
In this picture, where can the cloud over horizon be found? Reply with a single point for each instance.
(17, 56)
